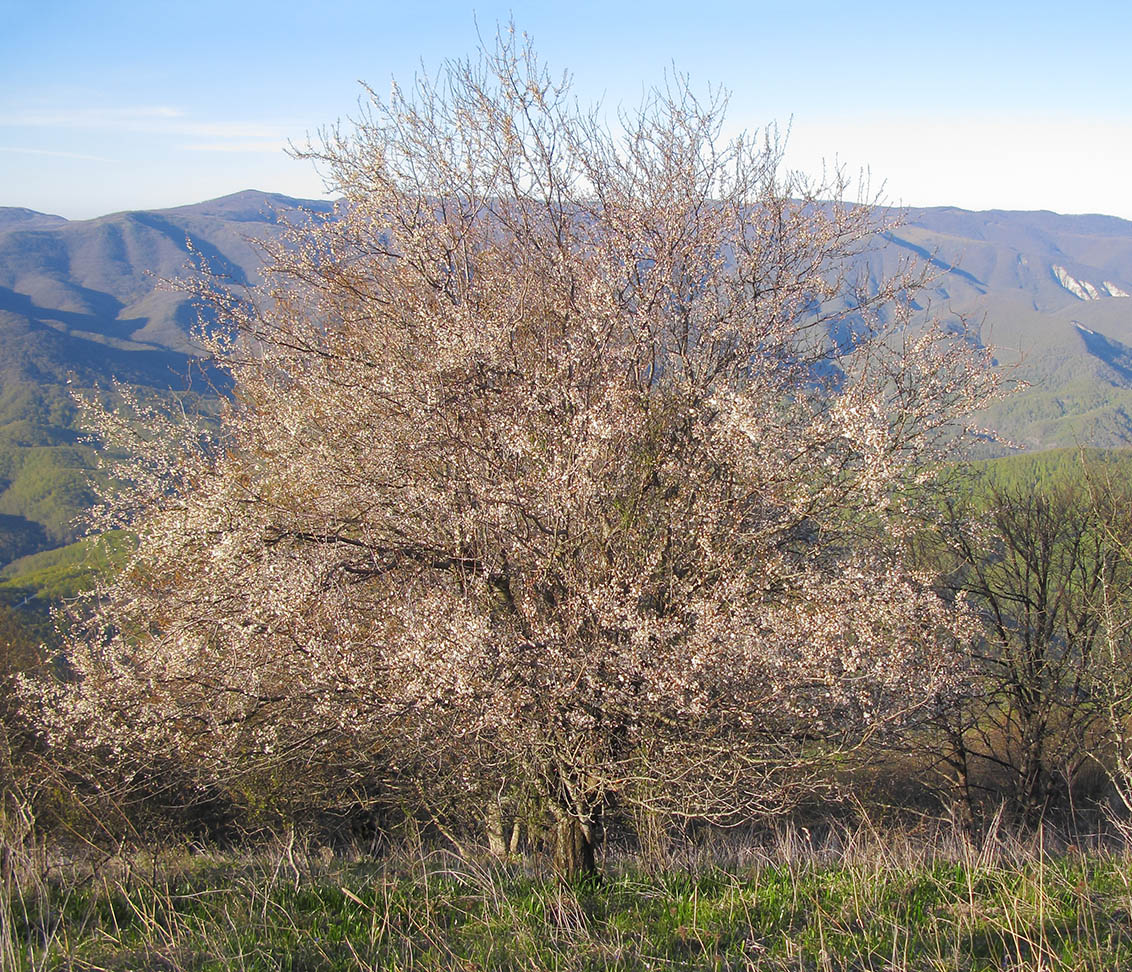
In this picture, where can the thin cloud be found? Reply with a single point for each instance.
(228, 130)
(92, 117)
(52, 152)
(143, 119)
(272, 147)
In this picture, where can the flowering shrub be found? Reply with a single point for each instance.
(543, 470)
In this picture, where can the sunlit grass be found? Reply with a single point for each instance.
(941, 909)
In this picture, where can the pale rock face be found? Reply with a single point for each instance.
(1082, 289)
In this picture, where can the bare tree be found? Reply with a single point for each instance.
(1043, 563)
(543, 471)
(1110, 676)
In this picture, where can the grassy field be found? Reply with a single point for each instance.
(857, 905)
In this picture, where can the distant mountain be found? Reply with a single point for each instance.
(1051, 294)
(83, 301)
(12, 217)
(100, 280)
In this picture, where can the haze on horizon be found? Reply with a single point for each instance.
(1010, 105)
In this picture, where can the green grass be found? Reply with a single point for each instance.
(209, 912)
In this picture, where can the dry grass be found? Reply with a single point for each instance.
(856, 899)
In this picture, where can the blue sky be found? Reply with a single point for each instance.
(117, 104)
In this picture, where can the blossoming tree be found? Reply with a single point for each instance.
(562, 458)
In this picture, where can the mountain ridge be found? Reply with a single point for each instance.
(84, 301)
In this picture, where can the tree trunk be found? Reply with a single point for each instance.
(504, 829)
(496, 839)
(963, 807)
(573, 848)
(1031, 793)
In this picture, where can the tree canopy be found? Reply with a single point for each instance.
(563, 458)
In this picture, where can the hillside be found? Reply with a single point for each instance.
(1051, 294)
(106, 281)
(83, 302)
